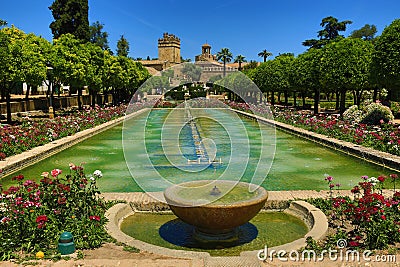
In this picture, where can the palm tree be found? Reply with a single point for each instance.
(225, 55)
(264, 54)
(240, 59)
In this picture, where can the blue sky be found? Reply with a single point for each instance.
(245, 27)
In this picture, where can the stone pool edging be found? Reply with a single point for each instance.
(17, 162)
(313, 217)
(369, 154)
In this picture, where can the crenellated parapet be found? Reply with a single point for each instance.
(169, 49)
(168, 39)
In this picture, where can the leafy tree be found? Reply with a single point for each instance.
(123, 76)
(168, 73)
(346, 66)
(155, 82)
(191, 71)
(264, 54)
(137, 75)
(98, 37)
(185, 60)
(70, 16)
(70, 61)
(282, 70)
(238, 84)
(11, 58)
(94, 69)
(35, 52)
(251, 65)
(214, 78)
(112, 73)
(226, 56)
(3, 22)
(22, 60)
(330, 32)
(263, 76)
(386, 58)
(305, 75)
(240, 59)
(367, 32)
(122, 47)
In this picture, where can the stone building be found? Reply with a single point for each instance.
(169, 53)
(209, 65)
(169, 49)
(205, 54)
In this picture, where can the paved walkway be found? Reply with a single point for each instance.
(156, 197)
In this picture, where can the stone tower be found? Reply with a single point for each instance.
(205, 54)
(169, 49)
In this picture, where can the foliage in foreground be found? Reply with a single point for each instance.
(33, 215)
(369, 220)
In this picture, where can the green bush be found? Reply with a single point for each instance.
(353, 114)
(33, 215)
(372, 114)
(375, 113)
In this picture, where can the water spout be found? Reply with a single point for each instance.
(215, 191)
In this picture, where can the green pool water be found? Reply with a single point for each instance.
(203, 194)
(154, 140)
(167, 231)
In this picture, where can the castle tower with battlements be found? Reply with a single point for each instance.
(169, 49)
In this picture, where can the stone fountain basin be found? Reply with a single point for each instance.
(218, 216)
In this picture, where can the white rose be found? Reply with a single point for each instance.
(97, 174)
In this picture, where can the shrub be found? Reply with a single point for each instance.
(353, 114)
(33, 215)
(369, 220)
(372, 114)
(375, 113)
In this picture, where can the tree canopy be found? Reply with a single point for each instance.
(345, 65)
(386, 58)
(70, 16)
(226, 56)
(240, 59)
(264, 54)
(22, 59)
(331, 28)
(367, 32)
(192, 72)
(27, 58)
(98, 36)
(122, 47)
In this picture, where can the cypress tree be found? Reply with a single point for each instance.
(70, 16)
(122, 47)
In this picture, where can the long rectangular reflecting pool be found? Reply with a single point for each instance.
(164, 146)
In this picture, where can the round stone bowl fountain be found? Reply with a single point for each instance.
(215, 208)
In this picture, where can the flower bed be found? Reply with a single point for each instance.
(368, 220)
(30, 134)
(33, 215)
(384, 137)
